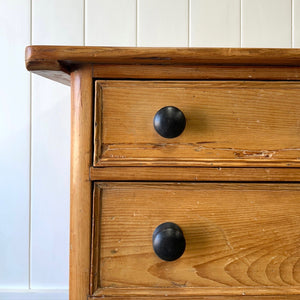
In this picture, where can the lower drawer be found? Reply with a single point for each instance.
(241, 239)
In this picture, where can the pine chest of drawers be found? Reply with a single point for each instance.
(184, 171)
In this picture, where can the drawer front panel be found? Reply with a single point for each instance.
(227, 123)
(237, 236)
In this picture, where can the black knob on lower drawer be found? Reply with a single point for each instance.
(169, 122)
(168, 241)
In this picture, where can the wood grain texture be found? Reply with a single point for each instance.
(228, 123)
(95, 242)
(59, 75)
(81, 189)
(242, 239)
(194, 174)
(243, 297)
(55, 61)
(193, 72)
(39, 55)
(196, 293)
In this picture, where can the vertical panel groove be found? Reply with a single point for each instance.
(84, 18)
(241, 24)
(137, 24)
(293, 22)
(189, 23)
(30, 157)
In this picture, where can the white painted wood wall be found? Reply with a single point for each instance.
(35, 112)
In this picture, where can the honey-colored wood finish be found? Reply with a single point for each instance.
(164, 297)
(196, 72)
(81, 188)
(195, 293)
(57, 62)
(194, 174)
(38, 56)
(241, 238)
(243, 130)
(228, 123)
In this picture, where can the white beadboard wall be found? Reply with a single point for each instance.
(35, 112)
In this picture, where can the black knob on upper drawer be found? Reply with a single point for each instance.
(168, 241)
(169, 122)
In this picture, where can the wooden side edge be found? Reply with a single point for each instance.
(48, 68)
(38, 55)
(81, 187)
(188, 293)
(227, 186)
(281, 297)
(59, 76)
(242, 163)
(56, 62)
(95, 243)
(196, 72)
(194, 174)
(98, 122)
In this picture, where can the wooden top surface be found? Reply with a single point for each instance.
(56, 61)
(45, 56)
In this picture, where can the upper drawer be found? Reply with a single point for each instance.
(227, 123)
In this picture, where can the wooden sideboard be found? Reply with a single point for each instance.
(205, 139)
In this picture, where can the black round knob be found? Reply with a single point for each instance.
(169, 122)
(168, 241)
